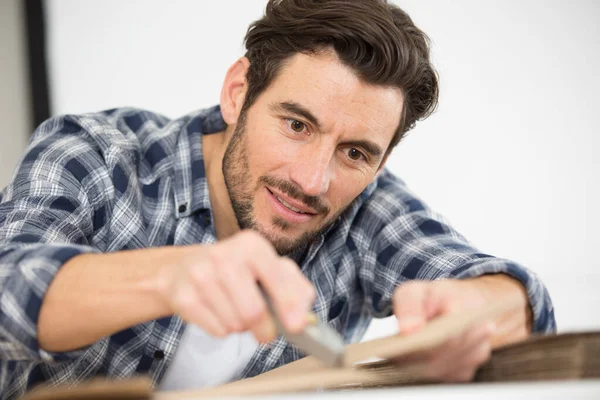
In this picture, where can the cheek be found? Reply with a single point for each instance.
(345, 188)
(267, 151)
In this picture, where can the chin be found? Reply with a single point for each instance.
(285, 239)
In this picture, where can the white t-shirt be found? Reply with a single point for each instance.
(202, 360)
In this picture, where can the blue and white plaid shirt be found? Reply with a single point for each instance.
(129, 179)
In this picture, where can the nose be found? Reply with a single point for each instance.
(312, 170)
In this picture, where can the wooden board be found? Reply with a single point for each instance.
(543, 357)
(97, 389)
(309, 374)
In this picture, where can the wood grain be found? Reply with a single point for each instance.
(309, 374)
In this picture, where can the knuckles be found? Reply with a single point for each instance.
(203, 277)
(215, 265)
(184, 301)
(254, 316)
(253, 241)
(409, 290)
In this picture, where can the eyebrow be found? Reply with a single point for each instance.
(297, 109)
(370, 147)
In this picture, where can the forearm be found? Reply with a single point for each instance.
(517, 324)
(95, 295)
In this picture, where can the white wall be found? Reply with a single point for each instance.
(14, 90)
(508, 157)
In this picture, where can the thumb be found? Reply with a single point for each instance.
(264, 330)
(410, 306)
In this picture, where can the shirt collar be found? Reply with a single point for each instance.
(190, 184)
(342, 224)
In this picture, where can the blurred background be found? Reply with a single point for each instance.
(510, 157)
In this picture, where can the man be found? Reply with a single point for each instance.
(130, 243)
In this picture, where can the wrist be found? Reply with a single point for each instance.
(496, 286)
(161, 283)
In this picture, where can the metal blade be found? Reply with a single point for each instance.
(318, 339)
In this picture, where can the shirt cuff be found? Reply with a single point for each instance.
(33, 267)
(539, 298)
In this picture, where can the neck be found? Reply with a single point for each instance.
(213, 150)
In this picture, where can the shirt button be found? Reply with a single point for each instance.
(159, 355)
(182, 208)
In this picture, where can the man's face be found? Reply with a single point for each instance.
(310, 143)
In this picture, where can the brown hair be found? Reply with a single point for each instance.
(377, 40)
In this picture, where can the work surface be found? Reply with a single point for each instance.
(547, 357)
(567, 390)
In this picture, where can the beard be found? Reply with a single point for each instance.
(236, 173)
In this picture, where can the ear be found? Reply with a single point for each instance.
(234, 90)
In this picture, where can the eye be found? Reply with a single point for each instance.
(296, 125)
(355, 154)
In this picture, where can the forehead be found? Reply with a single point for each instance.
(337, 96)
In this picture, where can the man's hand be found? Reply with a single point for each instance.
(215, 287)
(457, 360)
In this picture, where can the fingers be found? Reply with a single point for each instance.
(264, 329)
(410, 301)
(416, 302)
(242, 291)
(475, 345)
(458, 359)
(233, 261)
(476, 351)
(240, 282)
(291, 293)
(216, 287)
(511, 329)
(191, 308)
(217, 300)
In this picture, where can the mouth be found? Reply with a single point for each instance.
(289, 209)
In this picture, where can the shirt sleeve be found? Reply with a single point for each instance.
(48, 212)
(416, 243)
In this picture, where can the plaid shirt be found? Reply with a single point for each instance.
(127, 179)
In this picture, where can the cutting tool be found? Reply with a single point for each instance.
(317, 339)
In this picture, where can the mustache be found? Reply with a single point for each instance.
(295, 192)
